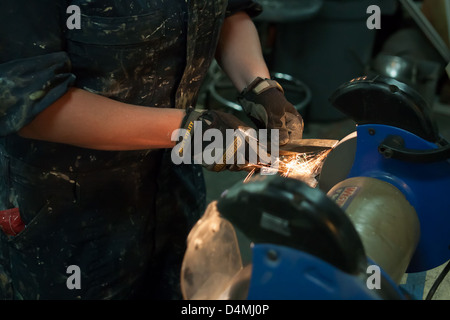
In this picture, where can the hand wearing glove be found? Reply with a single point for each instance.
(217, 140)
(265, 104)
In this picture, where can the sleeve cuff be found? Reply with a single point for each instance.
(251, 7)
(28, 86)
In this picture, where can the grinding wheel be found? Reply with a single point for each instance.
(339, 162)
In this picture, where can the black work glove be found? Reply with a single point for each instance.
(218, 141)
(265, 104)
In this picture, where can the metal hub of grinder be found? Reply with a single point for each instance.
(386, 222)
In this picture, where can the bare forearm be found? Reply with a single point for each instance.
(239, 51)
(92, 121)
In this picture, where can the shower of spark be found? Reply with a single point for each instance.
(302, 166)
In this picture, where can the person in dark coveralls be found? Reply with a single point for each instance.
(86, 117)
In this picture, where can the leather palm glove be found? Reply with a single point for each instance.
(265, 104)
(218, 141)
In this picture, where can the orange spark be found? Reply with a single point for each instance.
(302, 166)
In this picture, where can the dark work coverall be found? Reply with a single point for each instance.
(121, 217)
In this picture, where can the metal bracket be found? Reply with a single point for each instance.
(393, 147)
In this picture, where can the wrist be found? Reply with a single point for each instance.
(260, 85)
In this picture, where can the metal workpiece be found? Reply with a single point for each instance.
(308, 145)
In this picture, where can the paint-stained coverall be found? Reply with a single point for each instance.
(122, 217)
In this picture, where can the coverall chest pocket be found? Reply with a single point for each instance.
(117, 56)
